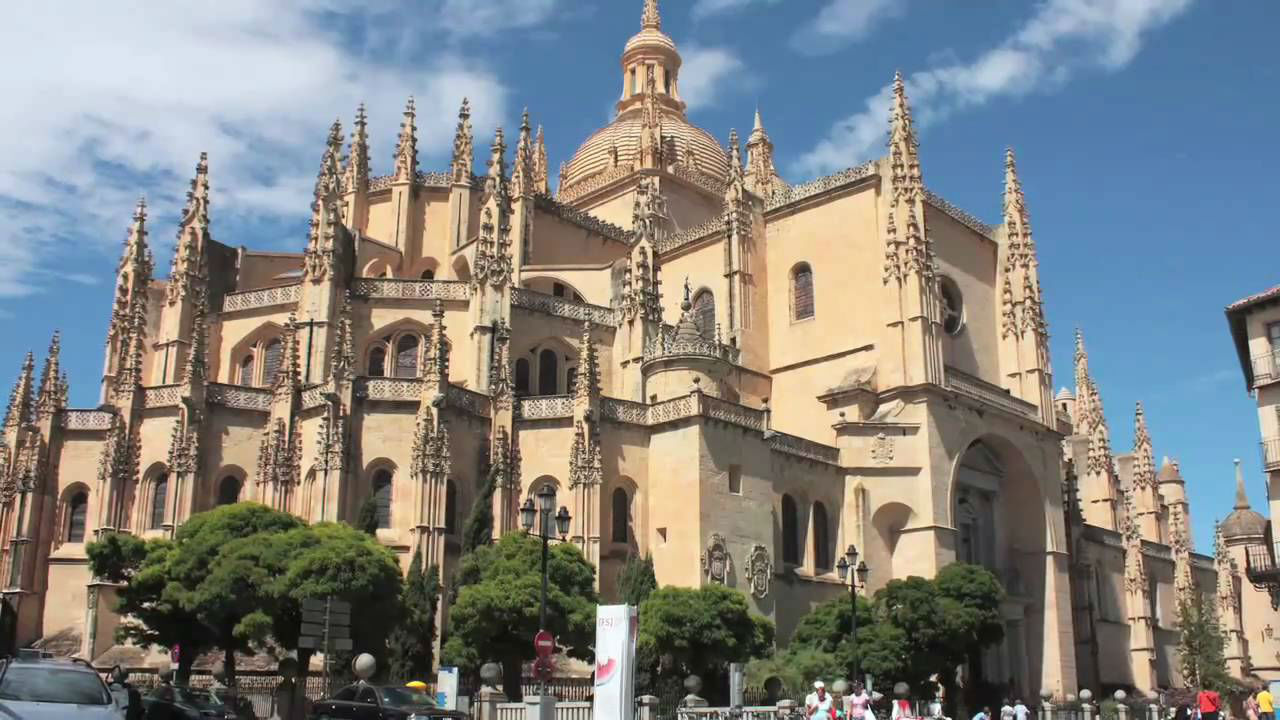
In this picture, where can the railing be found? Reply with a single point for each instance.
(411, 289)
(266, 297)
(754, 712)
(582, 219)
(565, 710)
(389, 389)
(313, 396)
(732, 413)
(1266, 368)
(981, 390)
(666, 344)
(561, 307)
(541, 407)
(796, 193)
(473, 402)
(624, 411)
(1271, 454)
(239, 397)
(160, 396)
(1260, 565)
(87, 420)
(792, 445)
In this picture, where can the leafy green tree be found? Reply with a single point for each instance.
(478, 530)
(827, 629)
(367, 517)
(700, 631)
(496, 613)
(637, 580)
(141, 569)
(1201, 645)
(412, 644)
(796, 667)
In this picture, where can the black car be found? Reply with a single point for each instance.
(175, 702)
(363, 701)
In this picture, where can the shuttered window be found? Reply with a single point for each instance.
(802, 293)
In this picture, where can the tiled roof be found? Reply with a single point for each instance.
(1253, 299)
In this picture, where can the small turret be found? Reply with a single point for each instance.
(463, 144)
(406, 157)
(52, 396)
(355, 177)
(1244, 523)
(522, 174)
(22, 398)
(188, 270)
(541, 184)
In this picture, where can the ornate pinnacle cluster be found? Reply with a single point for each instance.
(342, 362)
(496, 179)
(735, 160)
(22, 399)
(438, 370)
(331, 438)
(289, 376)
(585, 464)
(492, 264)
(588, 386)
(184, 448)
(1086, 413)
(522, 174)
(912, 253)
(118, 465)
(652, 153)
(762, 176)
(188, 268)
(541, 182)
(501, 388)
(1144, 464)
(641, 284)
(52, 396)
(133, 275)
(429, 453)
(651, 17)
(197, 359)
(1024, 312)
(463, 146)
(280, 459)
(320, 258)
(1227, 571)
(356, 175)
(406, 158)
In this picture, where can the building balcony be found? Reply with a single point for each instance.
(1271, 454)
(1266, 368)
(1260, 566)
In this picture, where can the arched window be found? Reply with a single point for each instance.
(790, 540)
(382, 497)
(229, 491)
(802, 292)
(522, 377)
(428, 274)
(548, 373)
(621, 516)
(271, 362)
(77, 516)
(378, 362)
(159, 494)
(246, 370)
(407, 356)
(704, 313)
(821, 538)
(450, 507)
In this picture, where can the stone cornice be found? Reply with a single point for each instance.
(582, 219)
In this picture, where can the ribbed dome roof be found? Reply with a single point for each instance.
(693, 145)
(1244, 521)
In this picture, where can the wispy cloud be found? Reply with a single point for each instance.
(841, 22)
(113, 102)
(707, 8)
(708, 73)
(1061, 39)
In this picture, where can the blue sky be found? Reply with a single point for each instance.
(1145, 133)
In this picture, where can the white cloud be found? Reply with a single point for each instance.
(1062, 38)
(707, 8)
(707, 72)
(841, 22)
(116, 100)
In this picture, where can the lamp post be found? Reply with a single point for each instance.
(544, 513)
(856, 579)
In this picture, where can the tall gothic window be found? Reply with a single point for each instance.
(271, 362)
(802, 292)
(229, 491)
(77, 516)
(790, 539)
(378, 362)
(246, 370)
(621, 516)
(382, 497)
(407, 356)
(159, 494)
(704, 313)
(450, 507)
(821, 538)
(522, 377)
(548, 372)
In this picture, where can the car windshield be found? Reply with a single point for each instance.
(41, 683)
(404, 697)
(191, 697)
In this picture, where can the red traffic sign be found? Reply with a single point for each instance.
(542, 668)
(544, 646)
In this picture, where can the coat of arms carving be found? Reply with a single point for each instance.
(759, 571)
(716, 562)
(882, 449)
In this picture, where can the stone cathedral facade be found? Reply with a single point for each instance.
(734, 374)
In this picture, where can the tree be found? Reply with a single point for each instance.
(637, 580)
(478, 530)
(700, 631)
(827, 629)
(496, 613)
(412, 645)
(1201, 645)
(367, 517)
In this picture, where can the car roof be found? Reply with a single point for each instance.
(59, 663)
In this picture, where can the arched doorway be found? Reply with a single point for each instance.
(999, 514)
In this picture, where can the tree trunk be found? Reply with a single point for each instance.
(229, 662)
(300, 686)
(512, 675)
(186, 658)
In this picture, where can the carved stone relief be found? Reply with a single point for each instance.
(716, 562)
(882, 449)
(759, 571)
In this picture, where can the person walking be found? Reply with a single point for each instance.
(1006, 711)
(901, 702)
(857, 702)
(818, 704)
(1209, 703)
(1251, 707)
(1020, 711)
(983, 714)
(1266, 706)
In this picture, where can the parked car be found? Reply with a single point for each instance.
(363, 701)
(35, 687)
(177, 702)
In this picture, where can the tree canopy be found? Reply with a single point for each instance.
(1201, 645)
(495, 615)
(637, 580)
(412, 645)
(478, 530)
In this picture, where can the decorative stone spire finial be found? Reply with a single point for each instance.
(320, 257)
(356, 176)
(1144, 470)
(52, 396)
(439, 370)
(21, 399)
(903, 146)
(497, 177)
(406, 159)
(588, 379)
(522, 174)
(1242, 498)
(651, 19)
(762, 177)
(197, 367)
(343, 360)
(541, 182)
(187, 270)
(735, 158)
(463, 145)
(289, 375)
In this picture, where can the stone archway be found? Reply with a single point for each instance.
(1000, 515)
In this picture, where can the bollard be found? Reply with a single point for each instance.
(489, 696)
(1122, 710)
(646, 707)
(693, 684)
(1046, 707)
(786, 708)
(1086, 708)
(539, 707)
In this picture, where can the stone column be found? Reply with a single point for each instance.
(1122, 710)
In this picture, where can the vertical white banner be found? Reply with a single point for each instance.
(616, 627)
(447, 688)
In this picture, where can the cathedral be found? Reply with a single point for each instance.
(734, 374)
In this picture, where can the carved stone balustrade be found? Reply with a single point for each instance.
(624, 411)
(973, 388)
(87, 420)
(471, 401)
(800, 447)
(313, 396)
(563, 307)
(389, 389)
(265, 297)
(543, 407)
(160, 396)
(666, 345)
(411, 289)
(239, 397)
(796, 193)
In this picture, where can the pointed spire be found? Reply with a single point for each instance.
(406, 158)
(21, 399)
(522, 174)
(762, 176)
(355, 177)
(903, 146)
(496, 181)
(326, 209)
(541, 182)
(1144, 468)
(735, 158)
(651, 19)
(1242, 498)
(463, 145)
(759, 124)
(52, 396)
(588, 379)
(187, 270)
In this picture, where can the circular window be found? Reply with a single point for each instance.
(952, 307)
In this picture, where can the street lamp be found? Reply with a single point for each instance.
(544, 513)
(857, 579)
